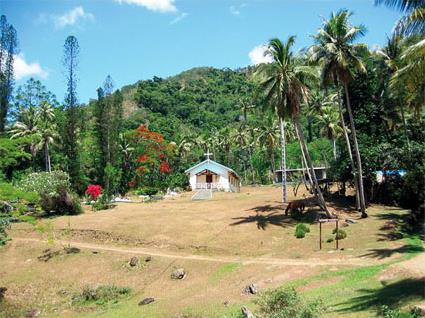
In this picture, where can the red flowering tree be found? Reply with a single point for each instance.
(94, 191)
(153, 158)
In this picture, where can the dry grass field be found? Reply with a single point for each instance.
(223, 244)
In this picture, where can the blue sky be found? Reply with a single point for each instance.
(137, 39)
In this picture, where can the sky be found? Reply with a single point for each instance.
(137, 39)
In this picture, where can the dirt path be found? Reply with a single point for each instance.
(220, 259)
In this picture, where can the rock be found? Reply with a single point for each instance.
(251, 289)
(72, 250)
(178, 273)
(2, 292)
(146, 301)
(33, 313)
(148, 259)
(350, 221)
(420, 309)
(247, 313)
(226, 303)
(95, 252)
(134, 261)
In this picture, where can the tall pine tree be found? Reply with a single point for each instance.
(8, 49)
(70, 138)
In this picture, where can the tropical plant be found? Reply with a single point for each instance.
(413, 22)
(339, 58)
(284, 83)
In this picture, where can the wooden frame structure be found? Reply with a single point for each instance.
(320, 230)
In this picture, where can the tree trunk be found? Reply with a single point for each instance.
(273, 164)
(350, 153)
(357, 153)
(283, 158)
(317, 192)
(334, 147)
(47, 157)
(304, 160)
(404, 125)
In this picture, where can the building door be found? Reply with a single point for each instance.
(209, 178)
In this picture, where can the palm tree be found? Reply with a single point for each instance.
(245, 107)
(284, 84)
(27, 127)
(391, 54)
(47, 135)
(334, 48)
(329, 119)
(413, 22)
(269, 137)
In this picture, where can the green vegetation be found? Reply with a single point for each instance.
(340, 234)
(101, 295)
(301, 230)
(287, 303)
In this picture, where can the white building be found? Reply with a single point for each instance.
(209, 174)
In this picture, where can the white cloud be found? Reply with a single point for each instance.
(72, 17)
(236, 10)
(179, 18)
(153, 5)
(256, 55)
(22, 68)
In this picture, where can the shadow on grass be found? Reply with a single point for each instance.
(382, 253)
(393, 295)
(263, 221)
(266, 215)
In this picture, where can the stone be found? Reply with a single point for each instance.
(148, 259)
(72, 250)
(146, 301)
(95, 252)
(134, 261)
(251, 289)
(420, 309)
(350, 221)
(226, 303)
(247, 313)
(2, 292)
(178, 273)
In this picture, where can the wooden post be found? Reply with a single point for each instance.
(320, 236)
(337, 234)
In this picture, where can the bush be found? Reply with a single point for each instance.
(287, 303)
(102, 203)
(340, 235)
(101, 295)
(54, 191)
(387, 312)
(301, 229)
(147, 191)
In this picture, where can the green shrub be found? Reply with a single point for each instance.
(54, 189)
(301, 229)
(101, 295)
(102, 203)
(287, 303)
(4, 225)
(387, 312)
(330, 240)
(147, 191)
(340, 235)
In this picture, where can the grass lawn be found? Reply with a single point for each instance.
(224, 244)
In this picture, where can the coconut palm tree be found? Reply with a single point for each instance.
(245, 106)
(329, 120)
(269, 137)
(47, 135)
(413, 22)
(391, 54)
(337, 53)
(283, 82)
